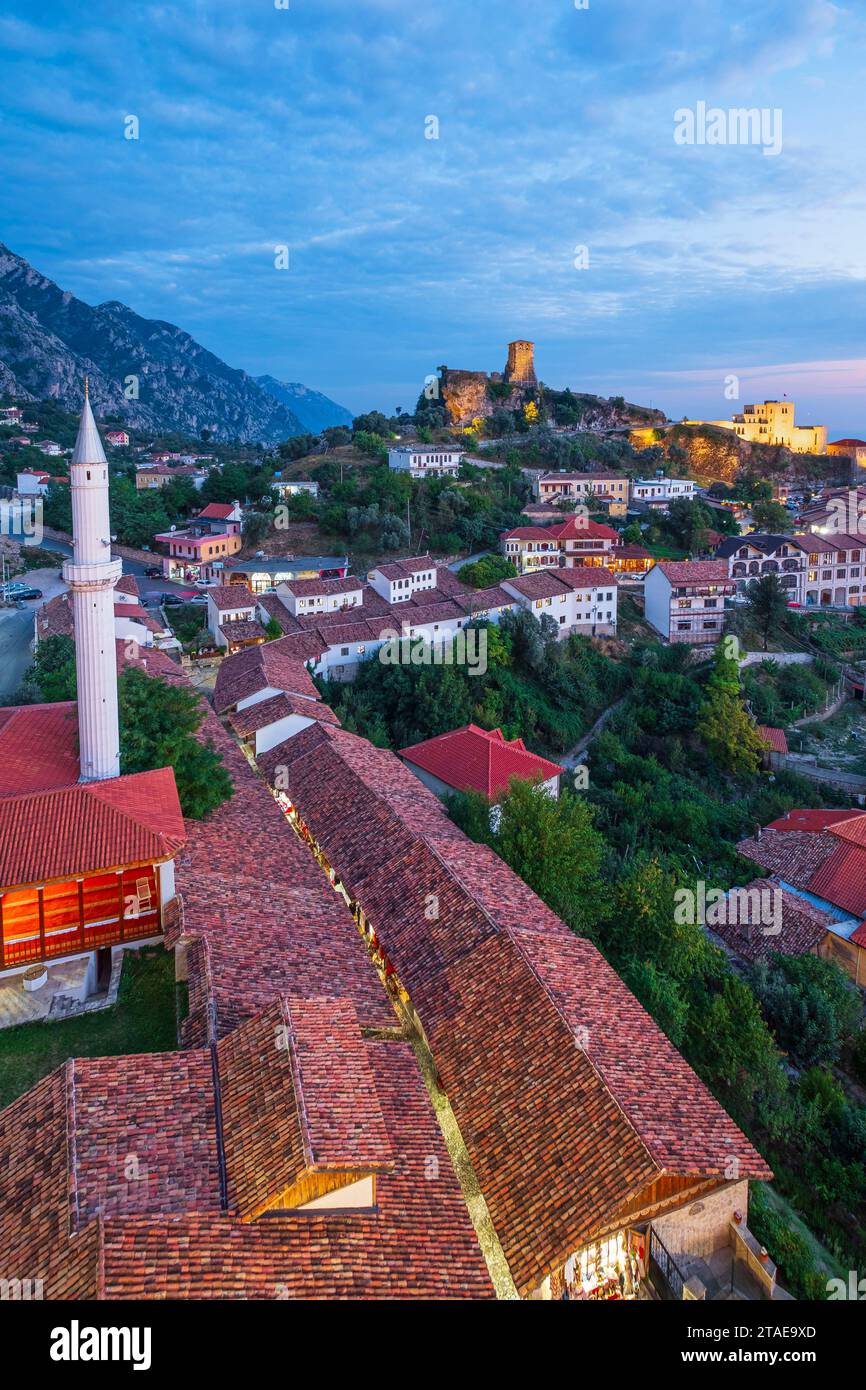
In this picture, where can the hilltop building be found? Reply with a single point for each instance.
(772, 422)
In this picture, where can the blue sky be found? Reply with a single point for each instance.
(305, 127)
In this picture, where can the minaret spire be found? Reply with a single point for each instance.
(91, 575)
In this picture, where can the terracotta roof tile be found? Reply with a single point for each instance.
(38, 747)
(95, 825)
(474, 759)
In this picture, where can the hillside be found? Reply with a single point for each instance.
(315, 411)
(49, 340)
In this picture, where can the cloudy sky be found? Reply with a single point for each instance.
(307, 127)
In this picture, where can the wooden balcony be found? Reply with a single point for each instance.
(64, 919)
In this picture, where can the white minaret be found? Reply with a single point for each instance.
(92, 575)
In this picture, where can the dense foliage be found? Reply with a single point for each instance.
(158, 724)
(533, 687)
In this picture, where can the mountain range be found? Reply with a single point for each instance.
(146, 372)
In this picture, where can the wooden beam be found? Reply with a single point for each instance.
(40, 892)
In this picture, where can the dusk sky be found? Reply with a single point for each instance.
(262, 126)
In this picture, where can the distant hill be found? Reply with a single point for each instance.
(49, 341)
(315, 411)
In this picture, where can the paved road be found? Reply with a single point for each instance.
(16, 631)
(149, 587)
(16, 625)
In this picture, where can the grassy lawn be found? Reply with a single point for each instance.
(144, 1019)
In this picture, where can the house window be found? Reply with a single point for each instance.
(344, 651)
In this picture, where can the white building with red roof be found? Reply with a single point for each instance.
(32, 482)
(574, 541)
(478, 760)
(232, 617)
(581, 600)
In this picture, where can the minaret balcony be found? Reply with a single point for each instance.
(92, 576)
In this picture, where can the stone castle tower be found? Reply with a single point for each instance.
(91, 575)
(520, 367)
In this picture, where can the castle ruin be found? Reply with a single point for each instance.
(465, 394)
(520, 367)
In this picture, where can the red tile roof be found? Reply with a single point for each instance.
(299, 1096)
(792, 855)
(853, 829)
(571, 528)
(809, 820)
(803, 926)
(841, 879)
(38, 748)
(313, 588)
(251, 718)
(404, 569)
(217, 511)
(474, 759)
(562, 1132)
(128, 584)
(93, 1229)
(823, 852)
(273, 665)
(228, 596)
(694, 571)
(773, 738)
(89, 827)
(243, 630)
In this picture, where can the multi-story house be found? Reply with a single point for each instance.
(118, 438)
(685, 600)
(401, 580)
(232, 617)
(750, 557)
(582, 487)
(574, 541)
(303, 597)
(580, 600)
(215, 534)
(426, 460)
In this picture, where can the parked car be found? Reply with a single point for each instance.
(184, 596)
(22, 591)
(153, 572)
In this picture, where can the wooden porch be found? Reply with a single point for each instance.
(43, 922)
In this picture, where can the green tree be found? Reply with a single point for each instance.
(771, 516)
(723, 722)
(767, 605)
(489, 570)
(53, 669)
(158, 724)
(553, 846)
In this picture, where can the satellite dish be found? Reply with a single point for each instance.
(173, 528)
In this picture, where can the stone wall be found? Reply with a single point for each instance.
(702, 1227)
